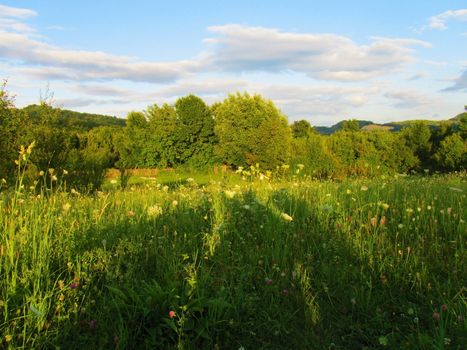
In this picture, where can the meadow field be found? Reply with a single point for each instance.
(236, 261)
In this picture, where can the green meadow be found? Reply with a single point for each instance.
(236, 261)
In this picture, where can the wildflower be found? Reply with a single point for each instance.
(65, 172)
(54, 178)
(113, 182)
(373, 222)
(8, 338)
(171, 314)
(428, 207)
(229, 194)
(285, 292)
(353, 301)
(174, 203)
(400, 225)
(131, 213)
(348, 191)
(74, 285)
(61, 284)
(3, 181)
(66, 206)
(41, 173)
(444, 308)
(246, 206)
(409, 210)
(363, 188)
(51, 171)
(286, 217)
(382, 221)
(154, 210)
(268, 281)
(449, 210)
(165, 188)
(435, 316)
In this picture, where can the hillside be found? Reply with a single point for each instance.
(79, 121)
(391, 126)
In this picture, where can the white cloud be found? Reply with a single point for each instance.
(52, 62)
(439, 21)
(409, 99)
(11, 19)
(16, 12)
(321, 56)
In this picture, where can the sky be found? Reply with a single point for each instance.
(321, 61)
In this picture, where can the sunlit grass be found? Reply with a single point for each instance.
(231, 261)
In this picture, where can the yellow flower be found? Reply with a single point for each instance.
(155, 210)
(66, 206)
(229, 194)
(8, 338)
(286, 217)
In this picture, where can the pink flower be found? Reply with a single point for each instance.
(268, 281)
(171, 314)
(449, 210)
(435, 316)
(444, 308)
(285, 292)
(74, 285)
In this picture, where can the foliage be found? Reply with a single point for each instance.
(452, 153)
(231, 263)
(251, 130)
(194, 132)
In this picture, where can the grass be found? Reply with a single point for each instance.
(221, 262)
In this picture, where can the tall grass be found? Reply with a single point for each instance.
(236, 263)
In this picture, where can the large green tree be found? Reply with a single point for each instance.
(195, 131)
(250, 130)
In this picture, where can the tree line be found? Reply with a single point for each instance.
(243, 130)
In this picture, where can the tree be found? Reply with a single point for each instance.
(251, 130)
(162, 142)
(417, 136)
(302, 128)
(12, 125)
(350, 125)
(452, 153)
(195, 131)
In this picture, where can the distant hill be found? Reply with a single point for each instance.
(391, 126)
(79, 121)
(325, 130)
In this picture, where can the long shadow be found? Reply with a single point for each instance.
(236, 272)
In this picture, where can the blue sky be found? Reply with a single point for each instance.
(322, 61)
